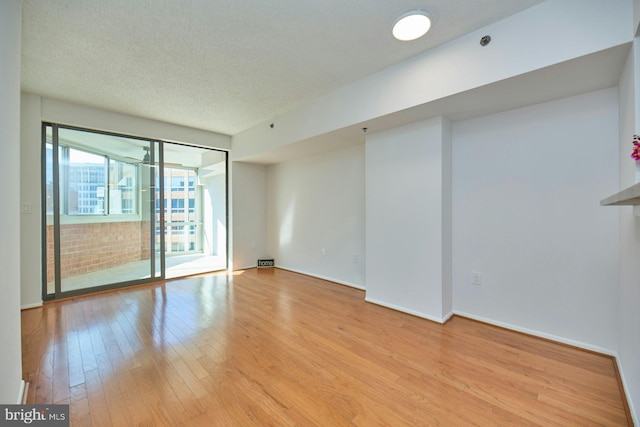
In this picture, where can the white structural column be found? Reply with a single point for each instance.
(10, 356)
(408, 219)
(629, 250)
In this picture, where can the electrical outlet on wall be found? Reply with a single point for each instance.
(476, 278)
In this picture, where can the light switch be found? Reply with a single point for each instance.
(476, 278)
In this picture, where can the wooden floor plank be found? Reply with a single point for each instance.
(98, 404)
(79, 411)
(276, 348)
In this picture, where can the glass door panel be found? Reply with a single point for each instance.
(156, 193)
(105, 223)
(195, 210)
(49, 263)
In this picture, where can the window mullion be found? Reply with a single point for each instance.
(107, 187)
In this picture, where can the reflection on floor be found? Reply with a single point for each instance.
(188, 265)
(176, 266)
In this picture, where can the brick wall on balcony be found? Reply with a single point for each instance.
(96, 246)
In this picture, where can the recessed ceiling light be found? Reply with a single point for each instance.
(411, 25)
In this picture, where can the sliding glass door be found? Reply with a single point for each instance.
(195, 212)
(113, 210)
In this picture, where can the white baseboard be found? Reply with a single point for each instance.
(329, 279)
(533, 332)
(562, 340)
(28, 306)
(22, 393)
(625, 388)
(408, 311)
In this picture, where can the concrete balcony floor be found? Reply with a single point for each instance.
(176, 266)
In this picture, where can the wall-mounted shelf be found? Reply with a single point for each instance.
(628, 196)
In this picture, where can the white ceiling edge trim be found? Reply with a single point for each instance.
(519, 47)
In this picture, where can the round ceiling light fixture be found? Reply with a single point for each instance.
(411, 25)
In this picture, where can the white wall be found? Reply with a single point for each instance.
(526, 190)
(629, 294)
(30, 185)
(248, 214)
(67, 113)
(408, 170)
(636, 16)
(317, 203)
(10, 356)
(35, 110)
(447, 219)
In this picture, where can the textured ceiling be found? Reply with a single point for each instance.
(223, 65)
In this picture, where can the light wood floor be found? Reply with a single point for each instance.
(272, 347)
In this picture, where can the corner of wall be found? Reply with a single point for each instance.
(248, 210)
(447, 218)
(629, 247)
(10, 356)
(636, 17)
(30, 195)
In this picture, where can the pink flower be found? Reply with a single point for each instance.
(635, 153)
